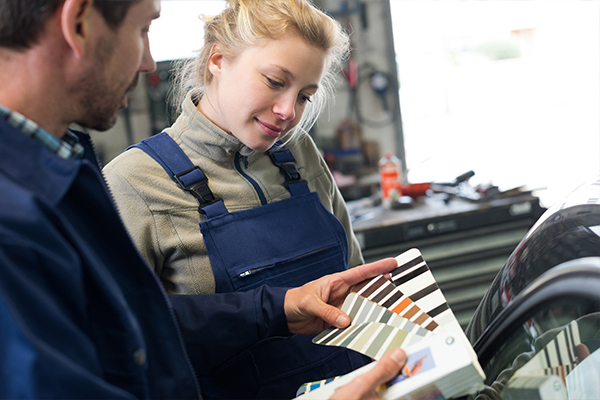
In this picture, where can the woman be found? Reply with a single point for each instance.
(269, 213)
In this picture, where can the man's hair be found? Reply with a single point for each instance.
(22, 21)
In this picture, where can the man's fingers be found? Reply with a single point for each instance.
(582, 352)
(388, 367)
(365, 386)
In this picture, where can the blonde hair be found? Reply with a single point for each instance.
(245, 23)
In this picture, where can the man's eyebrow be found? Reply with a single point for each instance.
(289, 73)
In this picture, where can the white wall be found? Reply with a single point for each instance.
(532, 120)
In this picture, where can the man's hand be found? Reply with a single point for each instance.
(364, 387)
(312, 308)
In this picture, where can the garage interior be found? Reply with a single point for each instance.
(506, 92)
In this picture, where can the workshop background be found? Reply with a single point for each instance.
(504, 95)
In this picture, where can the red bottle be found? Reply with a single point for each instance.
(390, 172)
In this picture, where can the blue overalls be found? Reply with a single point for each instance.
(287, 243)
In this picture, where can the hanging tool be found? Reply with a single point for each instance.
(380, 83)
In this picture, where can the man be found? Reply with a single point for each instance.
(81, 315)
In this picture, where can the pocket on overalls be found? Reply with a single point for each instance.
(293, 272)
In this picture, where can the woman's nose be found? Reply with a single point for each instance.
(285, 108)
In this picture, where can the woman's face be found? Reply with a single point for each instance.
(261, 95)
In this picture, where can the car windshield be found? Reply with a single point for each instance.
(545, 353)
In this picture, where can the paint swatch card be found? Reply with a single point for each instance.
(414, 278)
(361, 309)
(386, 294)
(410, 312)
(437, 368)
(373, 339)
(416, 281)
(373, 329)
(309, 387)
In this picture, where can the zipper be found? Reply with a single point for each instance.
(239, 159)
(254, 270)
(167, 301)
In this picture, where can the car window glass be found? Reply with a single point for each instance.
(584, 381)
(551, 337)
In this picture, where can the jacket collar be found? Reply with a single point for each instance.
(202, 136)
(33, 167)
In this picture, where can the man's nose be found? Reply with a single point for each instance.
(147, 64)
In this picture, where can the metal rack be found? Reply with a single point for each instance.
(464, 243)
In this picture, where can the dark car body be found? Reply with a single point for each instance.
(551, 279)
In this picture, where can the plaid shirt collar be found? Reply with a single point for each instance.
(67, 148)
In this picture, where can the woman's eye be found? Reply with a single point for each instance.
(273, 83)
(302, 99)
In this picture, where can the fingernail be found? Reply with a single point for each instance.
(341, 321)
(398, 355)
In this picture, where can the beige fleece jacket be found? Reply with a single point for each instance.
(163, 219)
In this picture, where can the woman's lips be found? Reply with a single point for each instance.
(269, 129)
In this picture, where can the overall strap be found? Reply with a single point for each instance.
(284, 159)
(163, 149)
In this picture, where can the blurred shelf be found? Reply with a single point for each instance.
(464, 243)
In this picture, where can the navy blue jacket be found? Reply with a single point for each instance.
(81, 314)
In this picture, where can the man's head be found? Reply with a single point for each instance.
(94, 50)
(21, 22)
(119, 55)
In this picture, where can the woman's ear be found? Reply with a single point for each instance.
(215, 61)
(75, 24)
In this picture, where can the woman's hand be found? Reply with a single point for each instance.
(312, 308)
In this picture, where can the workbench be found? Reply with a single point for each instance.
(465, 243)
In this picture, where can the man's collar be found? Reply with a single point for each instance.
(67, 148)
(28, 164)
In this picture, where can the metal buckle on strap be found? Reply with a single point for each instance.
(199, 190)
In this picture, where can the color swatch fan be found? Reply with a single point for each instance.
(410, 312)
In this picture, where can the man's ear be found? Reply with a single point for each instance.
(215, 61)
(75, 24)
